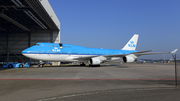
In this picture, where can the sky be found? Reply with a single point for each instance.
(111, 23)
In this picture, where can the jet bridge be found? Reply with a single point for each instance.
(24, 23)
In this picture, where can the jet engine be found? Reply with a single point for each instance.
(128, 59)
(94, 61)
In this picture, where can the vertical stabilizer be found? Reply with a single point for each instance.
(131, 45)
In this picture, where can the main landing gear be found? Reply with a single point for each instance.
(82, 64)
(94, 65)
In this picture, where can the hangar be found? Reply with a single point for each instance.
(24, 23)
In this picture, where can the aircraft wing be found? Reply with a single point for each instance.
(141, 53)
(122, 55)
(84, 57)
(174, 51)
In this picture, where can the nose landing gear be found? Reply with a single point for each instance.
(40, 64)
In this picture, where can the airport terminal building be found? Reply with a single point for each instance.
(24, 23)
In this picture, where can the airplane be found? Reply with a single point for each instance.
(58, 52)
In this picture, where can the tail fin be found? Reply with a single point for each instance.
(131, 45)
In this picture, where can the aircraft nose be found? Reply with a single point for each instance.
(24, 51)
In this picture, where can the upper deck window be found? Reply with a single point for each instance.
(52, 46)
(67, 46)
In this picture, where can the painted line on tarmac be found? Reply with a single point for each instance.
(95, 79)
(100, 92)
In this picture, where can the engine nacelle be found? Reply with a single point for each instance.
(94, 61)
(128, 59)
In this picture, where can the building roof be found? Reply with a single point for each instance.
(27, 15)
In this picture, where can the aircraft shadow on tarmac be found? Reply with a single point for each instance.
(114, 65)
(110, 65)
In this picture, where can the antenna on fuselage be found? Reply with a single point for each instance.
(61, 45)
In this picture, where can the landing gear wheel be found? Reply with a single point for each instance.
(94, 65)
(41, 65)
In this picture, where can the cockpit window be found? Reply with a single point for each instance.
(61, 46)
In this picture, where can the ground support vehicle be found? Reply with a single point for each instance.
(16, 65)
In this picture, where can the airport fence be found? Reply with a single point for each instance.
(177, 69)
(178, 72)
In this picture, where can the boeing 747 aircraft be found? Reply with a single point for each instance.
(93, 56)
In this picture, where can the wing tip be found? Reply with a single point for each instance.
(174, 51)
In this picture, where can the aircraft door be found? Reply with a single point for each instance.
(48, 52)
(69, 53)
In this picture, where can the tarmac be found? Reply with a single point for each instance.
(110, 82)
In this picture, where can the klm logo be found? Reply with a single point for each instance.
(131, 44)
(56, 49)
